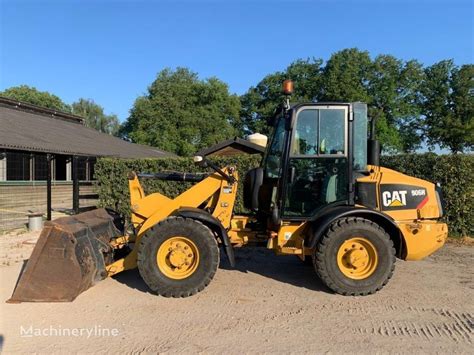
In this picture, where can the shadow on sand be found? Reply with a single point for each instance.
(132, 279)
(286, 269)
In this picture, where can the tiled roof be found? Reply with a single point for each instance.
(30, 128)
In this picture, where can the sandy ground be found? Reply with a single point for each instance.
(268, 304)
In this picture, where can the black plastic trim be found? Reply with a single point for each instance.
(350, 156)
(440, 199)
(322, 223)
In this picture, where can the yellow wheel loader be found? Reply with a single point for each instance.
(319, 194)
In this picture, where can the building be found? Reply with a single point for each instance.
(232, 147)
(37, 143)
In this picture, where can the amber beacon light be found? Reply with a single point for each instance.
(288, 87)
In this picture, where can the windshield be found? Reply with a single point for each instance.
(272, 159)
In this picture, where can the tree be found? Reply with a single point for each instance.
(87, 108)
(448, 106)
(95, 117)
(260, 102)
(463, 100)
(408, 106)
(388, 85)
(394, 90)
(33, 96)
(346, 77)
(183, 114)
(350, 75)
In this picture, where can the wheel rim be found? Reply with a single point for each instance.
(178, 258)
(357, 258)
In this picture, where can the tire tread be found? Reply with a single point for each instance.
(147, 274)
(322, 249)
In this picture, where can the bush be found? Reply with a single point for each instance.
(454, 172)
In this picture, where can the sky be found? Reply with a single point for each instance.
(110, 50)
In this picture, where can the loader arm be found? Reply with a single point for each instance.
(214, 192)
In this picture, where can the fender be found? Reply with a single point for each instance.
(213, 223)
(321, 222)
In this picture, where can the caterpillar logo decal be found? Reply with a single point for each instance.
(394, 198)
(399, 197)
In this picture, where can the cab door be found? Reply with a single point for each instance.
(317, 168)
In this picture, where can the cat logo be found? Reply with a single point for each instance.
(396, 198)
(402, 197)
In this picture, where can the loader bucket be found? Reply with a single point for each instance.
(69, 257)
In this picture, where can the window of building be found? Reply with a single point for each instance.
(40, 162)
(18, 166)
(61, 167)
(82, 168)
(92, 162)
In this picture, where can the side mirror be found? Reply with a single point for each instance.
(202, 161)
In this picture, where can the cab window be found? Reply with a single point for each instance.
(305, 139)
(319, 132)
(332, 132)
(317, 162)
(275, 151)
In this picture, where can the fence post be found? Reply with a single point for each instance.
(49, 159)
(75, 185)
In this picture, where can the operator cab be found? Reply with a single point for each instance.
(305, 169)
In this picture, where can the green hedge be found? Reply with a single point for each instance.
(454, 172)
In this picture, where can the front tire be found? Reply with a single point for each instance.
(178, 257)
(354, 257)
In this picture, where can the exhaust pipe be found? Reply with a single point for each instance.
(373, 146)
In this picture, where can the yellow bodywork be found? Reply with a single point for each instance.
(422, 238)
(290, 239)
(147, 210)
(422, 233)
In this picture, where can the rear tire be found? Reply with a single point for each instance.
(163, 260)
(354, 257)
